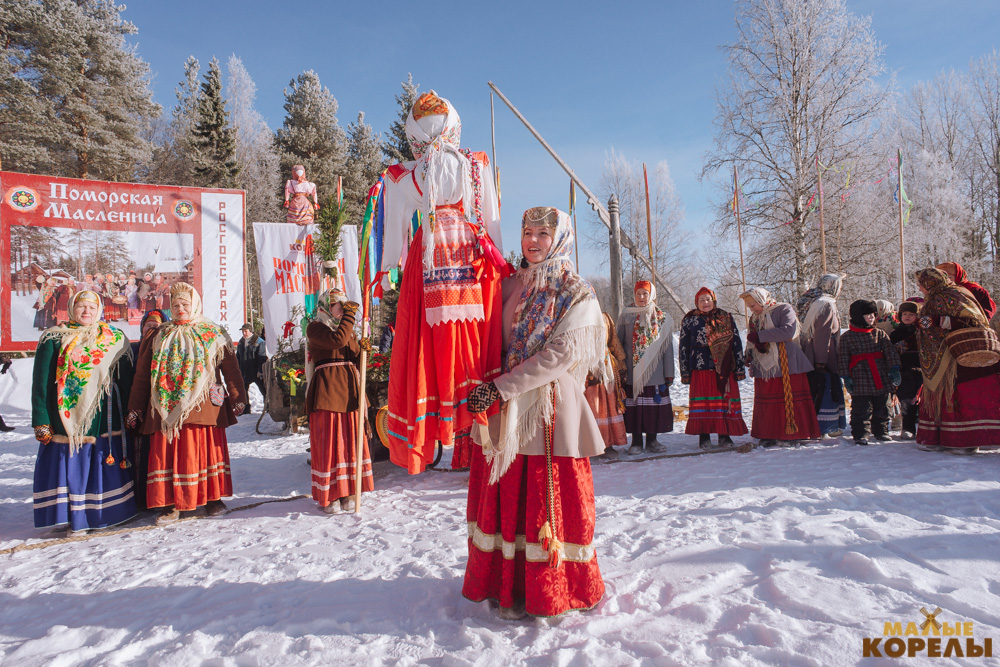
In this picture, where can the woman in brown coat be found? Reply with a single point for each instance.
(332, 403)
(191, 393)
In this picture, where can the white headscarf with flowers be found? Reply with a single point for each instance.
(555, 302)
(185, 356)
(323, 315)
(88, 354)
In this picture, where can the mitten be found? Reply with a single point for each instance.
(685, 379)
(753, 337)
(670, 382)
(350, 308)
(849, 385)
(895, 377)
(43, 434)
(285, 205)
(133, 419)
(238, 408)
(482, 397)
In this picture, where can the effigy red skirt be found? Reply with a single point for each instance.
(710, 412)
(507, 562)
(973, 419)
(770, 418)
(434, 368)
(332, 443)
(190, 470)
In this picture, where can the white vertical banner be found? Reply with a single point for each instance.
(289, 271)
(222, 246)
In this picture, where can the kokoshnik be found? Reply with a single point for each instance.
(442, 220)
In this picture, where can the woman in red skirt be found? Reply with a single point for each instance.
(711, 360)
(332, 403)
(531, 494)
(783, 410)
(192, 391)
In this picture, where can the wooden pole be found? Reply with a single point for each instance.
(649, 225)
(822, 229)
(614, 244)
(739, 233)
(902, 256)
(359, 450)
(493, 137)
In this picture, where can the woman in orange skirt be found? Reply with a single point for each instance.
(332, 400)
(191, 394)
(531, 511)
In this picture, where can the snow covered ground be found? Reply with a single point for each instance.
(780, 557)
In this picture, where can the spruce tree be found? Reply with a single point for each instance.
(396, 148)
(310, 135)
(172, 155)
(92, 98)
(213, 141)
(364, 164)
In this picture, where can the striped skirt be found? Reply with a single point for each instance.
(770, 414)
(300, 210)
(708, 412)
(507, 561)
(973, 419)
(189, 471)
(85, 489)
(332, 443)
(644, 415)
(610, 421)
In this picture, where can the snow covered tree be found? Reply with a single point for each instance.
(984, 129)
(310, 135)
(364, 164)
(172, 157)
(396, 148)
(92, 93)
(257, 161)
(801, 83)
(213, 140)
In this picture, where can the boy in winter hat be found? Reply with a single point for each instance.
(869, 364)
(904, 337)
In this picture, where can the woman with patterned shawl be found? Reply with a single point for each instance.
(959, 406)
(647, 334)
(817, 311)
(447, 325)
(711, 359)
(782, 403)
(191, 394)
(81, 381)
(531, 506)
(981, 294)
(332, 403)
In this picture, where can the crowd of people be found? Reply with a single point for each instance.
(519, 369)
(125, 298)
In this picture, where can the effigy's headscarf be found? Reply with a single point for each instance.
(719, 332)
(944, 299)
(650, 330)
(555, 302)
(87, 357)
(185, 356)
(429, 145)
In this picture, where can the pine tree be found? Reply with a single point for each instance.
(364, 164)
(396, 148)
(92, 95)
(310, 135)
(23, 112)
(172, 155)
(213, 141)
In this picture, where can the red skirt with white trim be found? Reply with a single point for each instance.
(190, 470)
(507, 561)
(332, 443)
(973, 419)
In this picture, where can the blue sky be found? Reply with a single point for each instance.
(636, 76)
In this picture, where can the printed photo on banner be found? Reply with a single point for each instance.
(127, 242)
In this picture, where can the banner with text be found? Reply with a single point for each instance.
(291, 275)
(127, 241)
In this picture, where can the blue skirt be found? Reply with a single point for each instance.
(832, 415)
(82, 489)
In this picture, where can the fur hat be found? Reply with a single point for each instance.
(859, 309)
(908, 307)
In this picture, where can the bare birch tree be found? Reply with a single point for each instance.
(801, 83)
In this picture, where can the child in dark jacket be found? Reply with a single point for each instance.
(904, 337)
(869, 365)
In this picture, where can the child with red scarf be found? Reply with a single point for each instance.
(869, 365)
